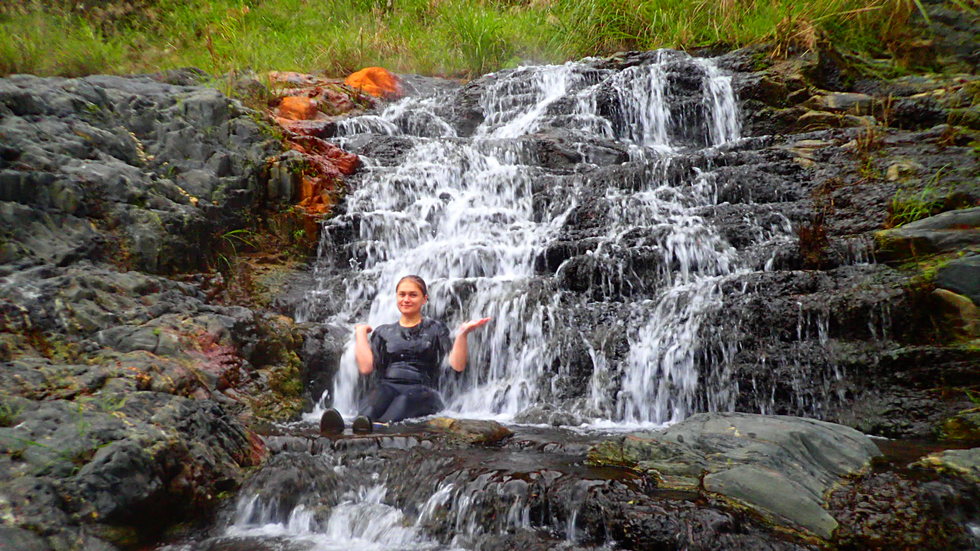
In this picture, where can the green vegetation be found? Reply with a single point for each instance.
(8, 414)
(914, 203)
(448, 37)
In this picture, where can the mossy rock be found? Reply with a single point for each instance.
(471, 430)
(963, 426)
(963, 464)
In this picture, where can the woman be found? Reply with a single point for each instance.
(408, 355)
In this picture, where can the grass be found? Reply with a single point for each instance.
(910, 205)
(444, 37)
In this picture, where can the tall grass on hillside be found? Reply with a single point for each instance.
(447, 37)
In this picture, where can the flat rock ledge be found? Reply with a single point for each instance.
(781, 467)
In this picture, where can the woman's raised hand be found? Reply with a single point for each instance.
(472, 324)
(362, 328)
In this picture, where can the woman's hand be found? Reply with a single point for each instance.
(362, 328)
(469, 326)
(457, 356)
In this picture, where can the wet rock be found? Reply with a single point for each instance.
(958, 314)
(883, 511)
(849, 102)
(546, 414)
(154, 160)
(962, 276)
(778, 466)
(949, 231)
(128, 389)
(471, 430)
(421, 85)
(965, 425)
(959, 463)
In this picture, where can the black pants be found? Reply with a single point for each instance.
(393, 401)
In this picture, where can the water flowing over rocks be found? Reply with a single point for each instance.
(658, 235)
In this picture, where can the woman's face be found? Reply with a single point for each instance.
(410, 298)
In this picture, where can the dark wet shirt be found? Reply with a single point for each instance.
(410, 354)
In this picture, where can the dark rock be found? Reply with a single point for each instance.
(889, 511)
(965, 425)
(950, 231)
(22, 540)
(962, 276)
(162, 167)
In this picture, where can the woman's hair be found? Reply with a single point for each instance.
(416, 280)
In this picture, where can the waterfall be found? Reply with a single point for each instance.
(480, 214)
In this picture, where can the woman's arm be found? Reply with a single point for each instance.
(457, 356)
(362, 349)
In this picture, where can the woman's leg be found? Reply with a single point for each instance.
(378, 401)
(412, 401)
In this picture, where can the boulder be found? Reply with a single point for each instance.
(779, 466)
(849, 102)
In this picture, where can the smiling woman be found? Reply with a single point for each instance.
(408, 356)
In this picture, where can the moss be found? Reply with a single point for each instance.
(964, 426)
(611, 453)
(924, 270)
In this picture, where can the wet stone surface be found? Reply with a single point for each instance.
(409, 487)
(423, 490)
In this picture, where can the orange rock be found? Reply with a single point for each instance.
(322, 153)
(317, 194)
(297, 107)
(376, 81)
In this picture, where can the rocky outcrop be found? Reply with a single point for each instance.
(128, 382)
(780, 467)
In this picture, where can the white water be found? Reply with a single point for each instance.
(361, 521)
(461, 213)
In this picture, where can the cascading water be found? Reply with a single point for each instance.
(573, 204)
(477, 216)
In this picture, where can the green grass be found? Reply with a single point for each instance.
(909, 205)
(445, 37)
